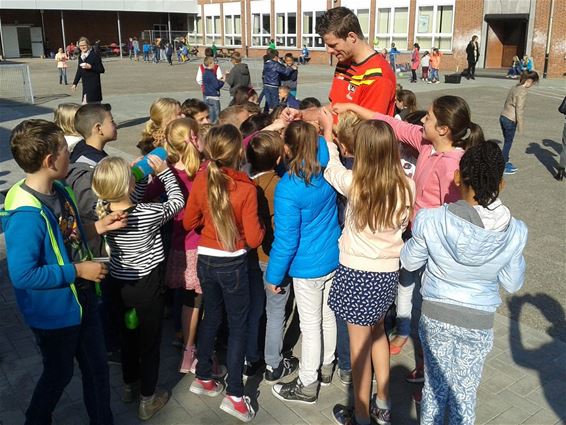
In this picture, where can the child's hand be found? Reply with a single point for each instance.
(135, 161)
(91, 270)
(157, 164)
(277, 125)
(339, 108)
(112, 221)
(325, 119)
(290, 114)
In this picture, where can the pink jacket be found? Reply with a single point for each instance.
(415, 59)
(434, 177)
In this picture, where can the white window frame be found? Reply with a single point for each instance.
(216, 35)
(313, 36)
(435, 35)
(390, 35)
(264, 39)
(234, 34)
(195, 37)
(286, 35)
(357, 5)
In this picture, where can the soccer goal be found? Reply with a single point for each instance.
(15, 83)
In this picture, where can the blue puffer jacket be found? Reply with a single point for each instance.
(273, 72)
(465, 263)
(306, 227)
(42, 277)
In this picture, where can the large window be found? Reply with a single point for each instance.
(286, 29)
(261, 29)
(310, 37)
(363, 17)
(392, 26)
(212, 30)
(194, 34)
(434, 27)
(232, 30)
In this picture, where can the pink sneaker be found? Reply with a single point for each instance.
(241, 409)
(189, 356)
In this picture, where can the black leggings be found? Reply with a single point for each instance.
(414, 72)
(141, 346)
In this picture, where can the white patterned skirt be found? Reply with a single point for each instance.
(362, 298)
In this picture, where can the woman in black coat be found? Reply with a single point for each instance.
(89, 70)
(473, 54)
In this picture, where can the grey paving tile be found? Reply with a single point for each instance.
(543, 417)
(515, 415)
(8, 417)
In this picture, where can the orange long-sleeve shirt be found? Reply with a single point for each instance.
(243, 197)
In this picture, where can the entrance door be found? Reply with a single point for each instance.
(506, 37)
(37, 42)
(24, 41)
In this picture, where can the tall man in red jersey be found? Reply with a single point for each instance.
(362, 75)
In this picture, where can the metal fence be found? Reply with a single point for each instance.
(15, 83)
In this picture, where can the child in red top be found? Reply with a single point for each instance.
(224, 203)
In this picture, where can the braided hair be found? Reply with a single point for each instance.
(481, 168)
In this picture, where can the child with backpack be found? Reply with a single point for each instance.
(469, 248)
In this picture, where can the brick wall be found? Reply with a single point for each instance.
(557, 61)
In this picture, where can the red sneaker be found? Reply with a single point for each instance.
(209, 388)
(241, 409)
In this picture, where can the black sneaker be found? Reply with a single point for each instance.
(252, 369)
(326, 374)
(380, 416)
(296, 392)
(286, 367)
(343, 415)
(114, 358)
(345, 376)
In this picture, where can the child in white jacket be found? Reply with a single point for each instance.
(470, 248)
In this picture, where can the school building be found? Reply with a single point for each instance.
(506, 27)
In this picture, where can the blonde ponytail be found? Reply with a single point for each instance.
(111, 182)
(223, 148)
(182, 144)
(161, 113)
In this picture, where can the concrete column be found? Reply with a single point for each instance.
(169, 27)
(3, 55)
(63, 31)
(119, 33)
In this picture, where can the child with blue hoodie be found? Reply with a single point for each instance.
(53, 274)
(211, 86)
(273, 72)
(306, 246)
(470, 248)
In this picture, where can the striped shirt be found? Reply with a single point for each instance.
(135, 250)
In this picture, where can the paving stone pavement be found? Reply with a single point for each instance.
(524, 380)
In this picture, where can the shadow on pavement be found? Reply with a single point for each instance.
(132, 122)
(16, 110)
(552, 375)
(545, 156)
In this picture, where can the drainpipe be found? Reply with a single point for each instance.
(548, 36)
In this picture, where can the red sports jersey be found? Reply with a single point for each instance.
(370, 84)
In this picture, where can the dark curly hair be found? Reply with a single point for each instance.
(481, 168)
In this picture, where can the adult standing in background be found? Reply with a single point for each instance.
(62, 58)
(89, 70)
(473, 55)
(560, 174)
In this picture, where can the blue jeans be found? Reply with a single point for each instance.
(146, 56)
(271, 97)
(508, 128)
(213, 108)
(225, 284)
(275, 326)
(59, 347)
(434, 74)
(257, 308)
(453, 361)
(343, 344)
(62, 75)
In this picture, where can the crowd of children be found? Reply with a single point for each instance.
(246, 210)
